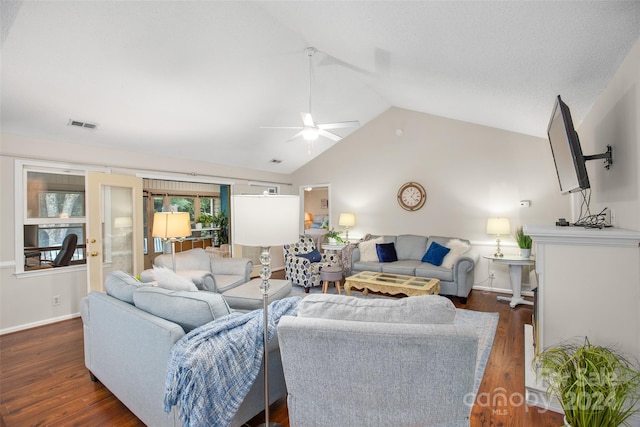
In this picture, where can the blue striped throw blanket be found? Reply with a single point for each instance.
(212, 368)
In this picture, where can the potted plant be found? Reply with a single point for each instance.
(524, 243)
(221, 235)
(596, 386)
(333, 237)
(205, 219)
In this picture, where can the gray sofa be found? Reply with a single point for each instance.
(456, 280)
(207, 273)
(129, 333)
(389, 362)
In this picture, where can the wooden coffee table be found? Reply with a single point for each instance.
(393, 284)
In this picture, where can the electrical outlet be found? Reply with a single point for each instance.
(55, 300)
(607, 216)
(613, 217)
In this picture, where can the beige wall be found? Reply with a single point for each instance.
(313, 201)
(615, 119)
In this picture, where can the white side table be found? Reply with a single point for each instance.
(515, 263)
(332, 248)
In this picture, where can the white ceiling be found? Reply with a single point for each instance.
(197, 79)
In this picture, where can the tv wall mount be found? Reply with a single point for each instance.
(607, 156)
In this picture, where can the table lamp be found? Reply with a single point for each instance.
(308, 220)
(265, 221)
(171, 226)
(498, 227)
(347, 220)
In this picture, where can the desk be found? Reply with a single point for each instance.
(515, 263)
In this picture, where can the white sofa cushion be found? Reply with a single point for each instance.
(368, 252)
(167, 279)
(187, 309)
(424, 309)
(458, 247)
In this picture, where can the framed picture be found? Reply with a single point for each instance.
(324, 203)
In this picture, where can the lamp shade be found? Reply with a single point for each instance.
(167, 225)
(347, 220)
(498, 226)
(266, 220)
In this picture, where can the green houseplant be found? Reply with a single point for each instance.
(334, 235)
(205, 219)
(596, 386)
(221, 236)
(524, 243)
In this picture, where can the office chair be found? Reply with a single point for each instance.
(66, 251)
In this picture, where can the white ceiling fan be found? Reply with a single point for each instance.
(310, 130)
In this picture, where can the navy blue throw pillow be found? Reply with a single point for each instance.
(435, 254)
(313, 256)
(386, 252)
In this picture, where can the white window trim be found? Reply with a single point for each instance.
(20, 202)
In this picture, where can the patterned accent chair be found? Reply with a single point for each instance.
(301, 271)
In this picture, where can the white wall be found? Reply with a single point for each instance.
(470, 173)
(27, 301)
(614, 119)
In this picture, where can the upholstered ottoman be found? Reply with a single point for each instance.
(331, 274)
(248, 296)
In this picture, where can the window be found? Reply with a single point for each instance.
(176, 203)
(53, 208)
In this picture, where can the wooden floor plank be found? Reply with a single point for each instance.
(43, 380)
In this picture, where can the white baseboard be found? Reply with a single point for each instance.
(39, 323)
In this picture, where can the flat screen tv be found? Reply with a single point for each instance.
(566, 150)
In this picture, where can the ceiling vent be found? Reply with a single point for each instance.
(80, 124)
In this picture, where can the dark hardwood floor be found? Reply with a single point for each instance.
(43, 380)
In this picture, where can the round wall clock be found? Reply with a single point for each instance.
(411, 196)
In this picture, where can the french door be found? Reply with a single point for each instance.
(115, 225)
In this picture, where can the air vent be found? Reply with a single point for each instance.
(80, 124)
(276, 161)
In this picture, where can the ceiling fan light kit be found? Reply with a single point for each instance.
(310, 131)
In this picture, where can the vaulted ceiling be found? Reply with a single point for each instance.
(198, 79)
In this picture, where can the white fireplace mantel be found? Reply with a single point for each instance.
(588, 285)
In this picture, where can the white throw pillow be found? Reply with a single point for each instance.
(167, 279)
(368, 252)
(458, 247)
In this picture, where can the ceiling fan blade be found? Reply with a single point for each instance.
(307, 119)
(339, 125)
(296, 136)
(281, 127)
(329, 135)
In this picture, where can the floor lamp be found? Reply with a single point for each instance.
(265, 221)
(171, 226)
(347, 220)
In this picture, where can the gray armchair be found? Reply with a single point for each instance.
(384, 362)
(208, 273)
